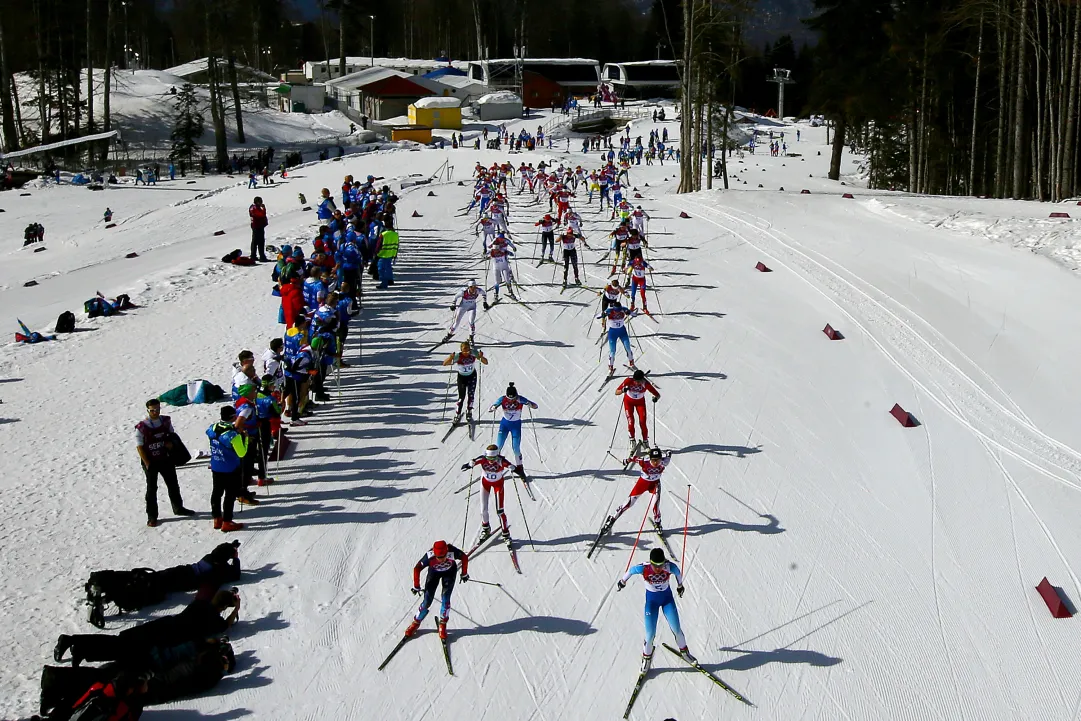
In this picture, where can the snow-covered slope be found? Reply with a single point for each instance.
(143, 110)
(837, 564)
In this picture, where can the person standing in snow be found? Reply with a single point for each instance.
(227, 450)
(386, 252)
(656, 575)
(493, 467)
(257, 213)
(153, 442)
(616, 316)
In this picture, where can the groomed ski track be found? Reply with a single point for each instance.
(838, 566)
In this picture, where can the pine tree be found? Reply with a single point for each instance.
(189, 124)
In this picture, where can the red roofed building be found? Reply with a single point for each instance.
(379, 93)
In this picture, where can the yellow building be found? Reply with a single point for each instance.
(435, 112)
(416, 133)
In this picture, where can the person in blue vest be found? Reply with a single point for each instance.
(227, 450)
(298, 370)
(267, 411)
(326, 206)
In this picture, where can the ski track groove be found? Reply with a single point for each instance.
(934, 579)
(983, 414)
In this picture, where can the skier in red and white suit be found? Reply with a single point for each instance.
(493, 468)
(634, 391)
(648, 482)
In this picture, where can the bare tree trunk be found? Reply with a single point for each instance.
(999, 187)
(480, 35)
(341, 41)
(7, 111)
(107, 118)
(709, 134)
(1019, 108)
(839, 132)
(1069, 137)
(913, 142)
(89, 72)
(43, 112)
(237, 109)
(323, 32)
(686, 123)
(975, 113)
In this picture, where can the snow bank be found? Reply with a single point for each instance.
(502, 96)
(437, 102)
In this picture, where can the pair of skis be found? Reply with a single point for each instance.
(693, 664)
(508, 542)
(443, 642)
(457, 423)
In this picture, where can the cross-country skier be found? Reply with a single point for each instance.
(486, 226)
(493, 468)
(617, 316)
(512, 404)
(548, 238)
(466, 302)
(501, 252)
(442, 566)
(656, 575)
(637, 271)
(612, 293)
(638, 220)
(570, 253)
(634, 391)
(648, 481)
(635, 241)
(465, 363)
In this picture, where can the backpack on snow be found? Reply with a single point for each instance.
(65, 323)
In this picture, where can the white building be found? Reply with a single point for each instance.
(643, 78)
(581, 75)
(319, 71)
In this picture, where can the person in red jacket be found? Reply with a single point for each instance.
(118, 700)
(292, 301)
(634, 391)
(257, 213)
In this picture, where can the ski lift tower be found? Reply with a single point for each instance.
(782, 77)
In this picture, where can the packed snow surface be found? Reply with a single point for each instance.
(837, 565)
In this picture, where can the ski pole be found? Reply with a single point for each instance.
(465, 523)
(522, 509)
(655, 423)
(635, 546)
(446, 396)
(485, 583)
(655, 292)
(533, 423)
(612, 443)
(493, 426)
(686, 518)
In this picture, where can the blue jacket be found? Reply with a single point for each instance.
(223, 452)
(348, 257)
(326, 209)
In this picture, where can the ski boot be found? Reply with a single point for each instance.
(468, 414)
(577, 281)
(519, 470)
(686, 654)
(412, 628)
(441, 623)
(485, 532)
(647, 662)
(457, 415)
(505, 536)
(611, 369)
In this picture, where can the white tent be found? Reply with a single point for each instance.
(503, 105)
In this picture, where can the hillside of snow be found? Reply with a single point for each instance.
(143, 110)
(837, 565)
